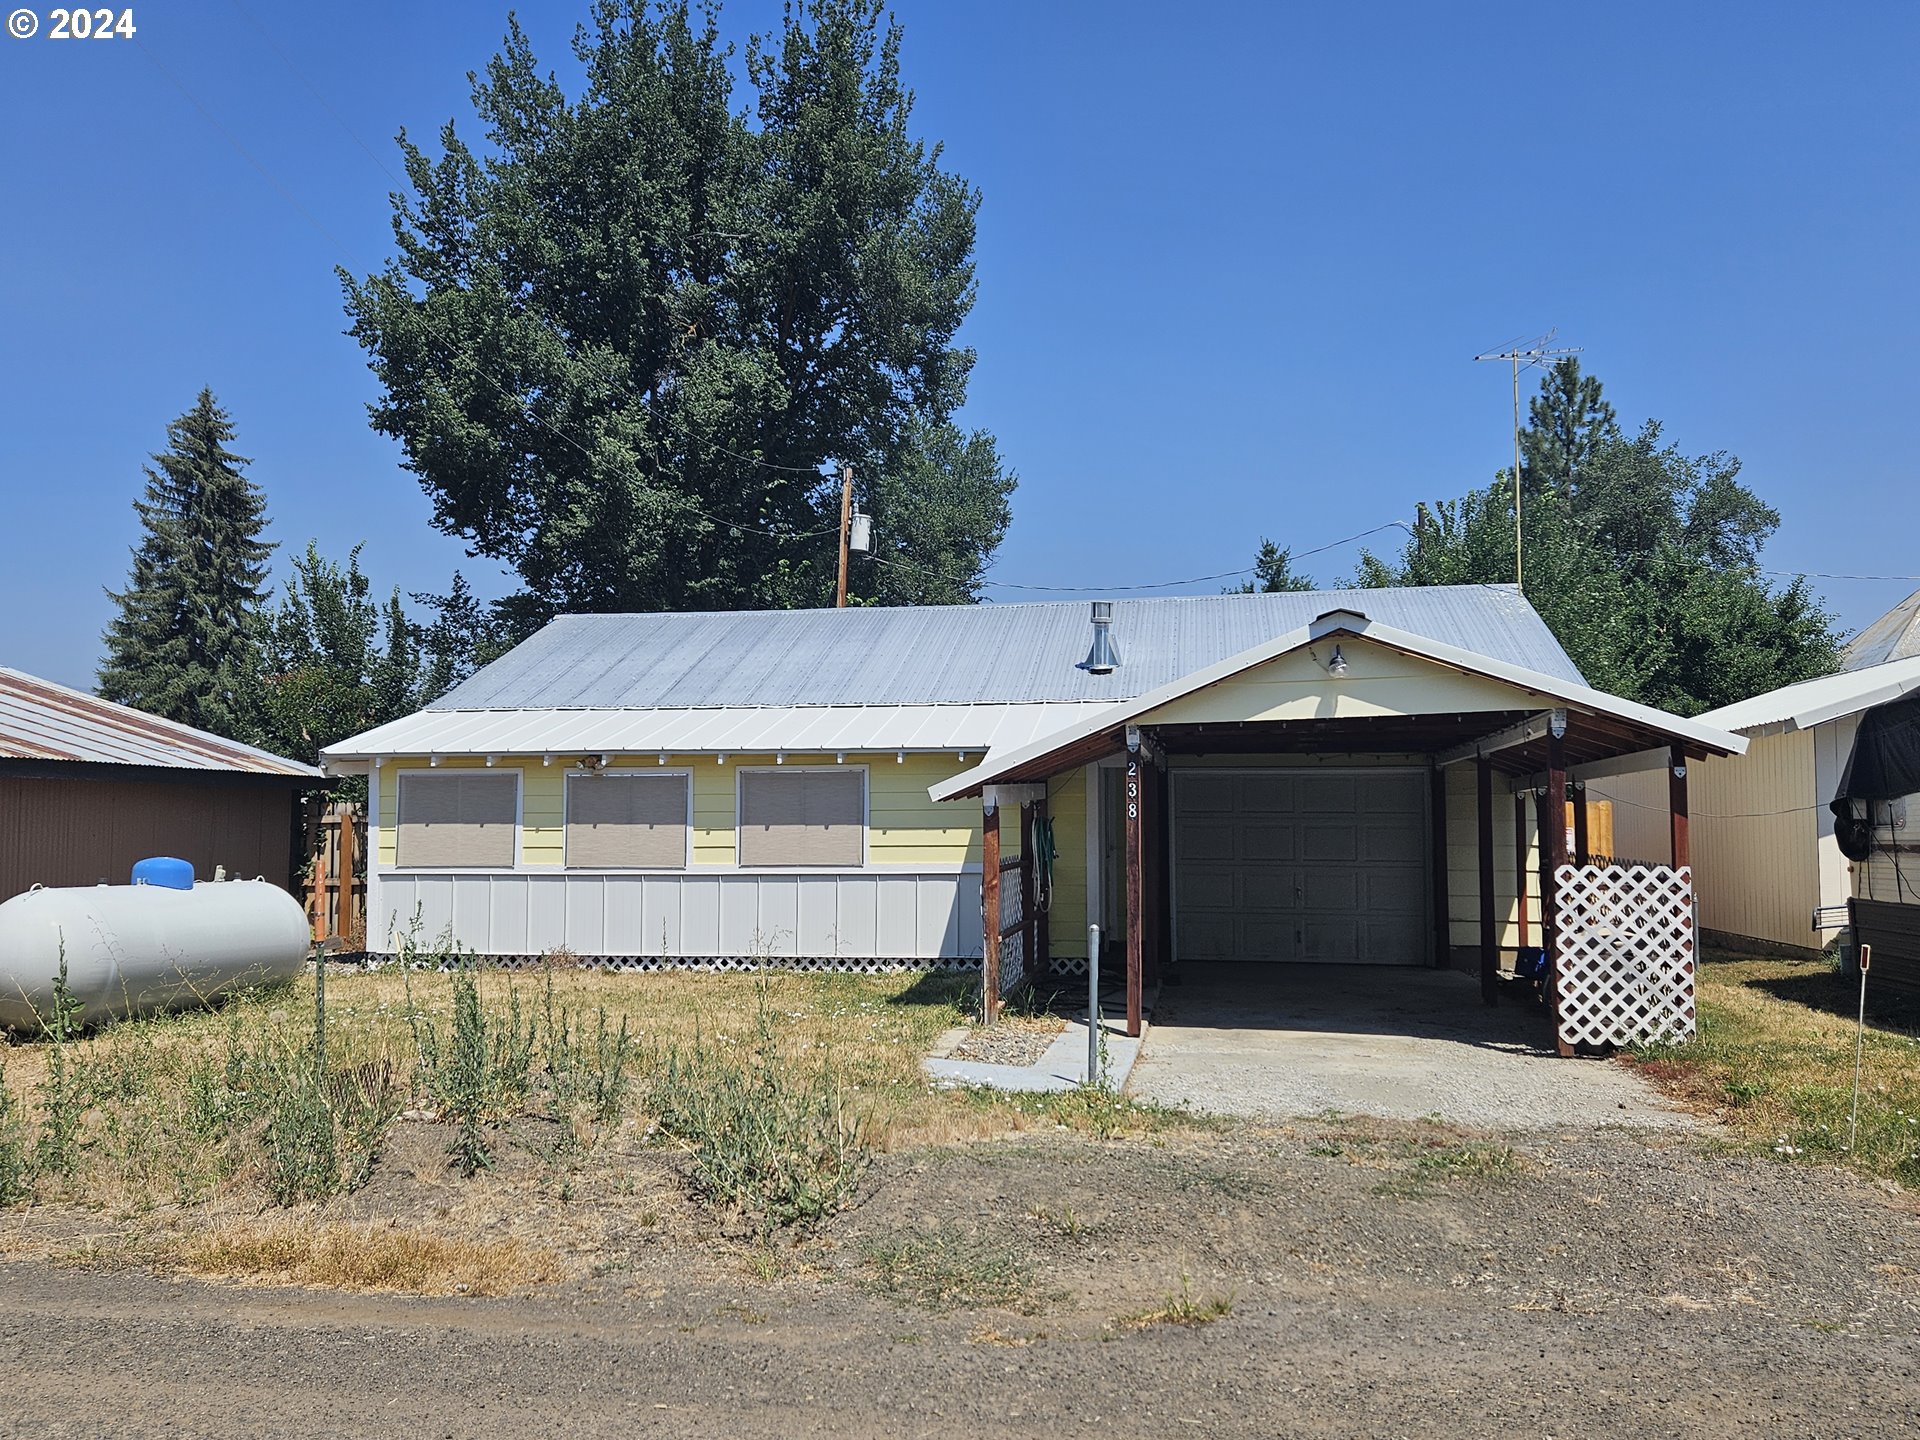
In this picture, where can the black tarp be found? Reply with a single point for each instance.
(1885, 763)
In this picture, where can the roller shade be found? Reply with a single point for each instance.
(627, 822)
(803, 817)
(456, 819)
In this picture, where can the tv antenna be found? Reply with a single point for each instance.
(1524, 355)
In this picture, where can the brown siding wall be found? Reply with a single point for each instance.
(79, 832)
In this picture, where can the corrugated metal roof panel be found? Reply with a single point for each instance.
(40, 720)
(744, 730)
(1814, 702)
(958, 654)
(1894, 636)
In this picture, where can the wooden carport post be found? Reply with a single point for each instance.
(1552, 813)
(1133, 803)
(1442, 896)
(1677, 806)
(1489, 933)
(1582, 841)
(990, 909)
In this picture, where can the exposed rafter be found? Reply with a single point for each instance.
(1534, 727)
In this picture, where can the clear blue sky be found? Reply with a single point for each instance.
(1232, 264)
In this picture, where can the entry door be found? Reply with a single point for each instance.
(1301, 865)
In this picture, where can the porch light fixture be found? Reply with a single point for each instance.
(779, 757)
(1336, 663)
(899, 757)
(490, 761)
(433, 760)
(661, 758)
(839, 757)
(546, 759)
(720, 759)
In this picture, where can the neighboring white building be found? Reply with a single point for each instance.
(1768, 864)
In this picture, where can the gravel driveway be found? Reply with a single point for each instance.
(1276, 1041)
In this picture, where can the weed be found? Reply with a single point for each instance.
(479, 1071)
(1064, 1223)
(949, 1268)
(588, 1073)
(1182, 1309)
(16, 1160)
(770, 1139)
(62, 1100)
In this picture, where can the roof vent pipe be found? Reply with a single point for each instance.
(1102, 659)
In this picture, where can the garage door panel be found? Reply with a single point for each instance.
(1319, 867)
(1209, 839)
(1327, 794)
(1400, 844)
(1263, 839)
(1329, 842)
(1206, 887)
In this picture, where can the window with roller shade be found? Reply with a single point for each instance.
(627, 822)
(458, 818)
(803, 817)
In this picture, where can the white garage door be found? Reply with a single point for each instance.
(1325, 866)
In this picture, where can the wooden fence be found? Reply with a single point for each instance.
(336, 883)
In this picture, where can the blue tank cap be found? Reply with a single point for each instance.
(164, 871)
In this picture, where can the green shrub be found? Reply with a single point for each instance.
(770, 1139)
(479, 1071)
(63, 1102)
(16, 1158)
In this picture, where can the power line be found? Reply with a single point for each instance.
(1824, 575)
(1151, 585)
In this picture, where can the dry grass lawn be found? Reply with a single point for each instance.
(379, 1257)
(1774, 1061)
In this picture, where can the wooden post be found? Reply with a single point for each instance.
(1029, 894)
(343, 909)
(1042, 931)
(1133, 802)
(1553, 854)
(1442, 900)
(1489, 931)
(1582, 841)
(1520, 886)
(990, 912)
(1159, 888)
(1677, 806)
(317, 886)
(846, 519)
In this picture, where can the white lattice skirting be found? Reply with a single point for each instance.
(712, 965)
(1625, 954)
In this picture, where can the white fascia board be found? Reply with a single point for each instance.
(1342, 622)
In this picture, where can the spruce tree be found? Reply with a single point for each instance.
(184, 643)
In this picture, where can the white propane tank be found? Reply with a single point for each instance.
(131, 949)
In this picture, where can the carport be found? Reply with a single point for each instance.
(1333, 797)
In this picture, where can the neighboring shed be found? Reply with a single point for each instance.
(1894, 636)
(1768, 864)
(88, 787)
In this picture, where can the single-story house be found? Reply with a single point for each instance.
(1819, 812)
(88, 787)
(1242, 779)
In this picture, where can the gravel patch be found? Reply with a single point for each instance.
(1022, 1044)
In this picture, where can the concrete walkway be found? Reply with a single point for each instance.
(1278, 1041)
(1063, 1067)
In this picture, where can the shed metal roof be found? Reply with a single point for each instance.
(958, 654)
(1814, 702)
(1894, 636)
(40, 720)
(737, 730)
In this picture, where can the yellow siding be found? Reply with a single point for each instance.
(1463, 863)
(905, 827)
(1641, 822)
(1755, 840)
(1067, 920)
(1379, 681)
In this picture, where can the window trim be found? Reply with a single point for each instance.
(519, 814)
(866, 815)
(684, 772)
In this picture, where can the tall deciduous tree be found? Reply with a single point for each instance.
(623, 345)
(1643, 561)
(184, 641)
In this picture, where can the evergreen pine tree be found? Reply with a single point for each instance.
(185, 641)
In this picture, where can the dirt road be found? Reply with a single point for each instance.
(1373, 1282)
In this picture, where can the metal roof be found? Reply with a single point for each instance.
(957, 654)
(40, 720)
(1814, 702)
(1574, 694)
(1894, 636)
(740, 730)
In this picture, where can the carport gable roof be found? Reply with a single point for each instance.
(1097, 734)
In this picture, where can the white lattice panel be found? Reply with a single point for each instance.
(1625, 953)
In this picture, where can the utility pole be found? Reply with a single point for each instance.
(1524, 358)
(846, 518)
